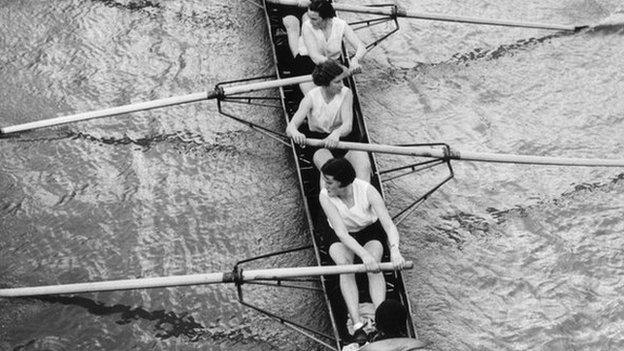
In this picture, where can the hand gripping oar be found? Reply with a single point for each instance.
(426, 151)
(397, 12)
(240, 276)
(149, 105)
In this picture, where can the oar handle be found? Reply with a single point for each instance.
(453, 154)
(193, 279)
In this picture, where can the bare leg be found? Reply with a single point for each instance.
(320, 157)
(292, 28)
(348, 286)
(361, 164)
(291, 23)
(376, 281)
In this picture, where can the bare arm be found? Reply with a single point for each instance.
(386, 222)
(341, 231)
(360, 48)
(292, 130)
(346, 115)
(310, 42)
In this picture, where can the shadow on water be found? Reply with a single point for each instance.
(606, 28)
(146, 142)
(199, 18)
(132, 5)
(505, 49)
(185, 141)
(481, 54)
(460, 226)
(168, 324)
(502, 216)
(466, 223)
(523, 44)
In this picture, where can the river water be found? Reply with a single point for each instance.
(508, 257)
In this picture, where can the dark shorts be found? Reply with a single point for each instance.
(303, 65)
(308, 151)
(373, 232)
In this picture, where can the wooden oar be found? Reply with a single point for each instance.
(148, 105)
(433, 16)
(193, 279)
(426, 151)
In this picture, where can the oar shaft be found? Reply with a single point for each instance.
(148, 105)
(430, 16)
(227, 91)
(192, 279)
(491, 22)
(141, 106)
(111, 285)
(426, 151)
(538, 160)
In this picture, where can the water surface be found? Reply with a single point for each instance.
(508, 257)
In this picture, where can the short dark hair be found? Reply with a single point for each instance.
(326, 71)
(340, 169)
(390, 318)
(323, 7)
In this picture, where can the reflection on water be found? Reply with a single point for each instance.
(508, 257)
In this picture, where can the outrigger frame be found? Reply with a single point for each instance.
(417, 167)
(309, 332)
(379, 20)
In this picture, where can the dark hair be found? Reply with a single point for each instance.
(325, 72)
(390, 318)
(323, 7)
(340, 169)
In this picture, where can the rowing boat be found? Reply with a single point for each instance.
(309, 184)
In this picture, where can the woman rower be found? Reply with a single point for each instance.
(320, 39)
(358, 216)
(329, 112)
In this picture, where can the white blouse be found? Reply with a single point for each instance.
(324, 117)
(331, 47)
(361, 214)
